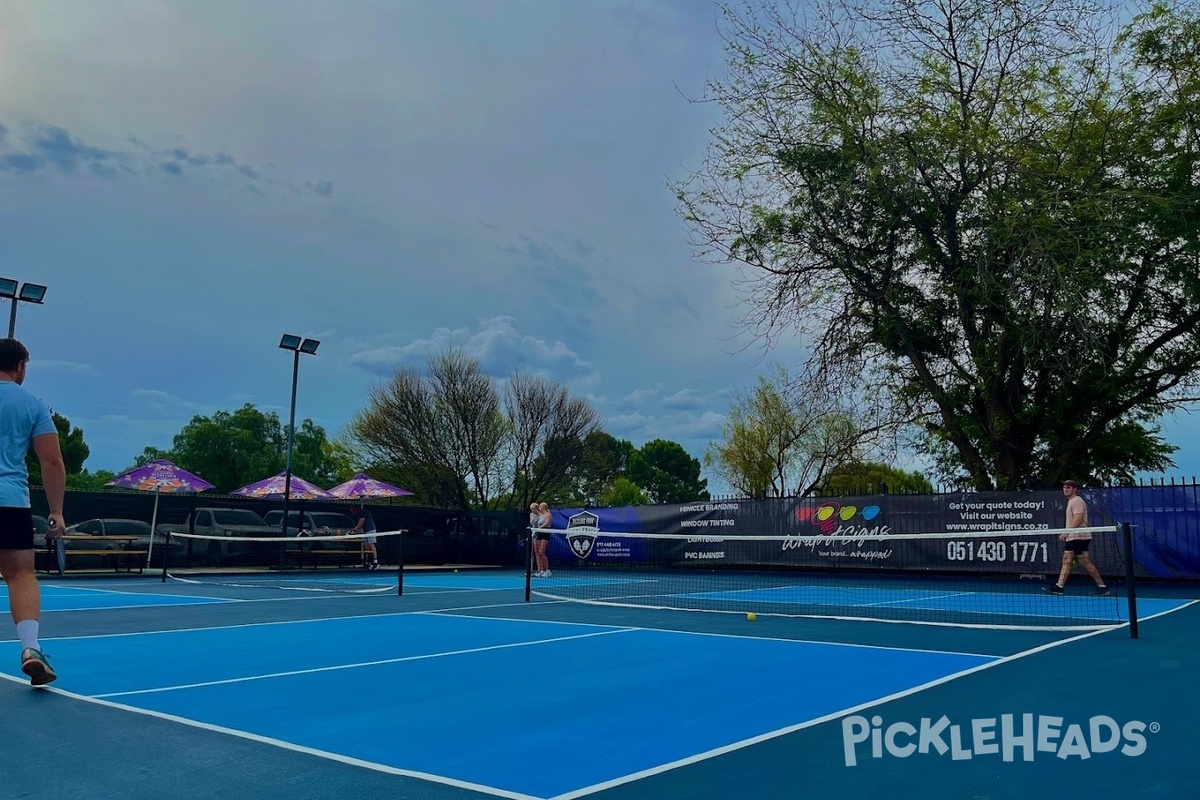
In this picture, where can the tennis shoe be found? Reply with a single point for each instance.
(1100, 591)
(35, 664)
(1053, 588)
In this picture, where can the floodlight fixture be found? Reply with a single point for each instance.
(290, 342)
(309, 346)
(32, 293)
(28, 293)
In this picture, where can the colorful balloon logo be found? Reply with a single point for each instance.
(827, 515)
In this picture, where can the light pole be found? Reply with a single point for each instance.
(28, 293)
(297, 346)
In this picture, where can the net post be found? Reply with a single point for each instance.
(528, 564)
(166, 553)
(400, 563)
(1130, 578)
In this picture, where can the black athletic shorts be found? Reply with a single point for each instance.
(541, 537)
(16, 528)
(1078, 545)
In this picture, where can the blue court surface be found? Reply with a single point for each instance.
(460, 689)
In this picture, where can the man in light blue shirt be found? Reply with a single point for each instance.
(25, 422)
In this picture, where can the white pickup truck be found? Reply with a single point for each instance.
(221, 522)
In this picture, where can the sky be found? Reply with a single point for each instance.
(192, 179)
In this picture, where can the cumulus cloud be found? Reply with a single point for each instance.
(500, 346)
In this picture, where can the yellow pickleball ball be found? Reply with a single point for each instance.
(751, 616)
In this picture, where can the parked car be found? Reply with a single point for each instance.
(318, 523)
(222, 522)
(123, 527)
(315, 523)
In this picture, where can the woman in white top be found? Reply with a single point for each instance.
(541, 541)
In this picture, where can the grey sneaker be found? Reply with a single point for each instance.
(35, 664)
(1100, 590)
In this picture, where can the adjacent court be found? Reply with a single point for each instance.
(460, 688)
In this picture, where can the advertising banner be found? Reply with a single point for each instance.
(847, 532)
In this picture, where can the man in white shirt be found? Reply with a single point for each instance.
(1077, 543)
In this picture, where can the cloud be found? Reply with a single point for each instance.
(692, 431)
(69, 367)
(558, 270)
(48, 147)
(500, 347)
(687, 416)
(685, 400)
(155, 404)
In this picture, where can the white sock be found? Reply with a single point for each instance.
(27, 631)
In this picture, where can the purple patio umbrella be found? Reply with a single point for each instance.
(159, 476)
(363, 485)
(274, 486)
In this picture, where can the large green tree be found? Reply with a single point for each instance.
(603, 472)
(231, 449)
(866, 477)
(984, 210)
(667, 473)
(74, 452)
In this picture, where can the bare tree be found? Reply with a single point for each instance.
(548, 429)
(449, 431)
(448, 421)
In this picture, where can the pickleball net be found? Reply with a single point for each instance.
(989, 579)
(326, 563)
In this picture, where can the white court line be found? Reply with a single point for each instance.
(914, 600)
(295, 748)
(207, 602)
(136, 594)
(336, 667)
(741, 636)
(729, 748)
(290, 622)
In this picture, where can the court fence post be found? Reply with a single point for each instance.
(166, 554)
(1130, 578)
(528, 564)
(400, 563)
